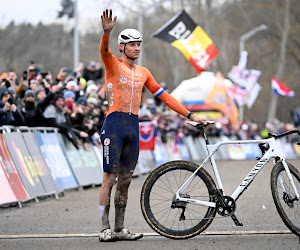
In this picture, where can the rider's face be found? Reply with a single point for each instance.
(133, 49)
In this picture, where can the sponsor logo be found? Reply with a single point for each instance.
(103, 132)
(123, 79)
(106, 153)
(109, 85)
(110, 94)
(106, 141)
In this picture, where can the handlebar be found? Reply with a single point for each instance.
(199, 125)
(277, 136)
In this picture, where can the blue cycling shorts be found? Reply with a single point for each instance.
(121, 143)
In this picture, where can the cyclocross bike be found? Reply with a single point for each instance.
(180, 199)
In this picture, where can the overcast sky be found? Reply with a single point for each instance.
(34, 11)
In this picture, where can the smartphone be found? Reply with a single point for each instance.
(25, 75)
(69, 71)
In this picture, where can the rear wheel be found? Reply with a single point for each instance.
(288, 206)
(177, 219)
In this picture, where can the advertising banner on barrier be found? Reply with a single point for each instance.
(39, 163)
(6, 193)
(160, 153)
(23, 161)
(56, 160)
(11, 172)
(85, 164)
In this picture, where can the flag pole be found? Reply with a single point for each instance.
(282, 60)
(273, 106)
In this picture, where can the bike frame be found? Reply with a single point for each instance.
(272, 152)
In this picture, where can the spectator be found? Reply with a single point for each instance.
(93, 71)
(91, 88)
(30, 112)
(9, 114)
(56, 118)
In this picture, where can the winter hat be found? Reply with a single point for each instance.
(4, 92)
(72, 83)
(29, 93)
(82, 100)
(57, 96)
(38, 91)
(12, 90)
(91, 87)
(69, 93)
(90, 82)
(82, 81)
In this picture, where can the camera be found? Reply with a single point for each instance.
(44, 74)
(10, 101)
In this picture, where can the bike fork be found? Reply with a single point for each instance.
(288, 172)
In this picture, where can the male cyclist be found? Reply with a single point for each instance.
(124, 81)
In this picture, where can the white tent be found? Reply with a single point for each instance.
(196, 89)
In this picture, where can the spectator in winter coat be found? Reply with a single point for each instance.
(9, 114)
(93, 72)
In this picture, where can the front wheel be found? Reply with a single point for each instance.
(288, 206)
(177, 219)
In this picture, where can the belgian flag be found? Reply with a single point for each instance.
(182, 33)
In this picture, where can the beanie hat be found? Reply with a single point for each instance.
(91, 87)
(4, 92)
(82, 81)
(72, 83)
(69, 93)
(57, 96)
(29, 93)
(38, 91)
(82, 100)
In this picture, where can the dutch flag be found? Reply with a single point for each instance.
(280, 89)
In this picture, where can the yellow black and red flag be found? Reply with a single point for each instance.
(182, 33)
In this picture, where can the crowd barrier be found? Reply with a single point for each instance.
(38, 162)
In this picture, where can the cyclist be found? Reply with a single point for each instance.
(124, 81)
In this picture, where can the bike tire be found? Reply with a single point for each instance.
(162, 184)
(289, 211)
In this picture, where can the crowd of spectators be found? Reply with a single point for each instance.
(72, 101)
(75, 103)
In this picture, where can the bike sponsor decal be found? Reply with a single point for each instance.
(253, 172)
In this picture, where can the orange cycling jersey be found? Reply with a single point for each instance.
(124, 84)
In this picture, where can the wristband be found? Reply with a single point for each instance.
(189, 115)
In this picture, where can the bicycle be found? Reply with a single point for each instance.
(180, 199)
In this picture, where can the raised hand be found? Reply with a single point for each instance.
(107, 22)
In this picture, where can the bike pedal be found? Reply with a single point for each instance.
(236, 221)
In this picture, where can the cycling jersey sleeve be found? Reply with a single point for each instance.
(106, 54)
(165, 97)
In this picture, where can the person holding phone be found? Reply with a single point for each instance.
(9, 114)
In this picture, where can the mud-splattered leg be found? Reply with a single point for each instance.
(104, 199)
(121, 197)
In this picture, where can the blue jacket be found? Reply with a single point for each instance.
(11, 118)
